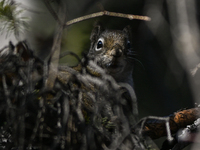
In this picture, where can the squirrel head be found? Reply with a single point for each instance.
(110, 48)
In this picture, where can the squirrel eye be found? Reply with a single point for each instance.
(128, 45)
(99, 45)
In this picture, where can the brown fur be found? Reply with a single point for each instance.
(113, 54)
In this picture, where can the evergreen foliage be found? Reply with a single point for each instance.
(11, 20)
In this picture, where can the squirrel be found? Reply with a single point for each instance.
(112, 51)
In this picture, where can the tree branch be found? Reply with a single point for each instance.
(55, 51)
(107, 13)
(155, 128)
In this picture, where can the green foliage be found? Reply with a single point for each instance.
(10, 19)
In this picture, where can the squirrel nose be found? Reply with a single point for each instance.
(116, 52)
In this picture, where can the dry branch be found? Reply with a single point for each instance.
(107, 13)
(53, 12)
(156, 128)
(194, 71)
(55, 50)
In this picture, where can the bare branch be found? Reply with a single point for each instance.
(107, 13)
(51, 10)
(156, 127)
(194, 71)
(55, 51)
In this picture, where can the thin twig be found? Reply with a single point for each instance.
(194, 71)
(166, 122)
(107, 13)
(55, 51)
(133, 97)
(53, 13)
(72, 54)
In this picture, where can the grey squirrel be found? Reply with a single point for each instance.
(112, 50)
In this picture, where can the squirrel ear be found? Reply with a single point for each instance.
(127, 30)
(97, 30)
